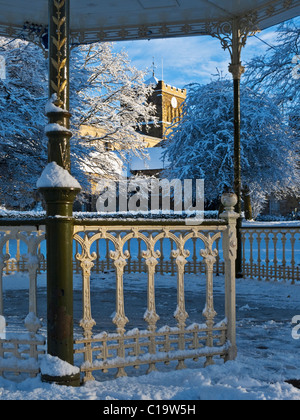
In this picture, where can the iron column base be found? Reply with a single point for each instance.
(59, 233)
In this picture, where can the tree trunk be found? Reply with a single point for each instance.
(247, 203)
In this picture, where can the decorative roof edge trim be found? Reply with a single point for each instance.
(266, 16)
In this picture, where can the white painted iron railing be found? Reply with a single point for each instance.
(271, 253)
(19, 351)
(137, 264)
(120, 349)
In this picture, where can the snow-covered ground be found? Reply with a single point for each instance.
(268, 354)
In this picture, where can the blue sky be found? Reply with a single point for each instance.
(191, 59)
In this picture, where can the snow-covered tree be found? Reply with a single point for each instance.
(23, 149)
(106, 93)
(277, 72)
(109, 95)
(202, 144)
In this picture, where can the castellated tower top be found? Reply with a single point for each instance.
(168, 101)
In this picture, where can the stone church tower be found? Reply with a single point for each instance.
(168, 101)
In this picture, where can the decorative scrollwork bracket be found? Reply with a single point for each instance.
(233, 36)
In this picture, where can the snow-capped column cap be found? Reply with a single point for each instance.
(59, 190)
(229, 201)
(57, 117)
(58, 133)
(54, 176)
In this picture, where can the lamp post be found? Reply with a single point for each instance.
(59, 200)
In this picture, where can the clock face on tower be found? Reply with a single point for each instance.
(174, 102)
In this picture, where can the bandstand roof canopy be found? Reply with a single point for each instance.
(115, 20)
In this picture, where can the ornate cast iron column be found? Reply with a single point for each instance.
(59, 141)
(237, 70)
(59, 201)
(233, 37)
